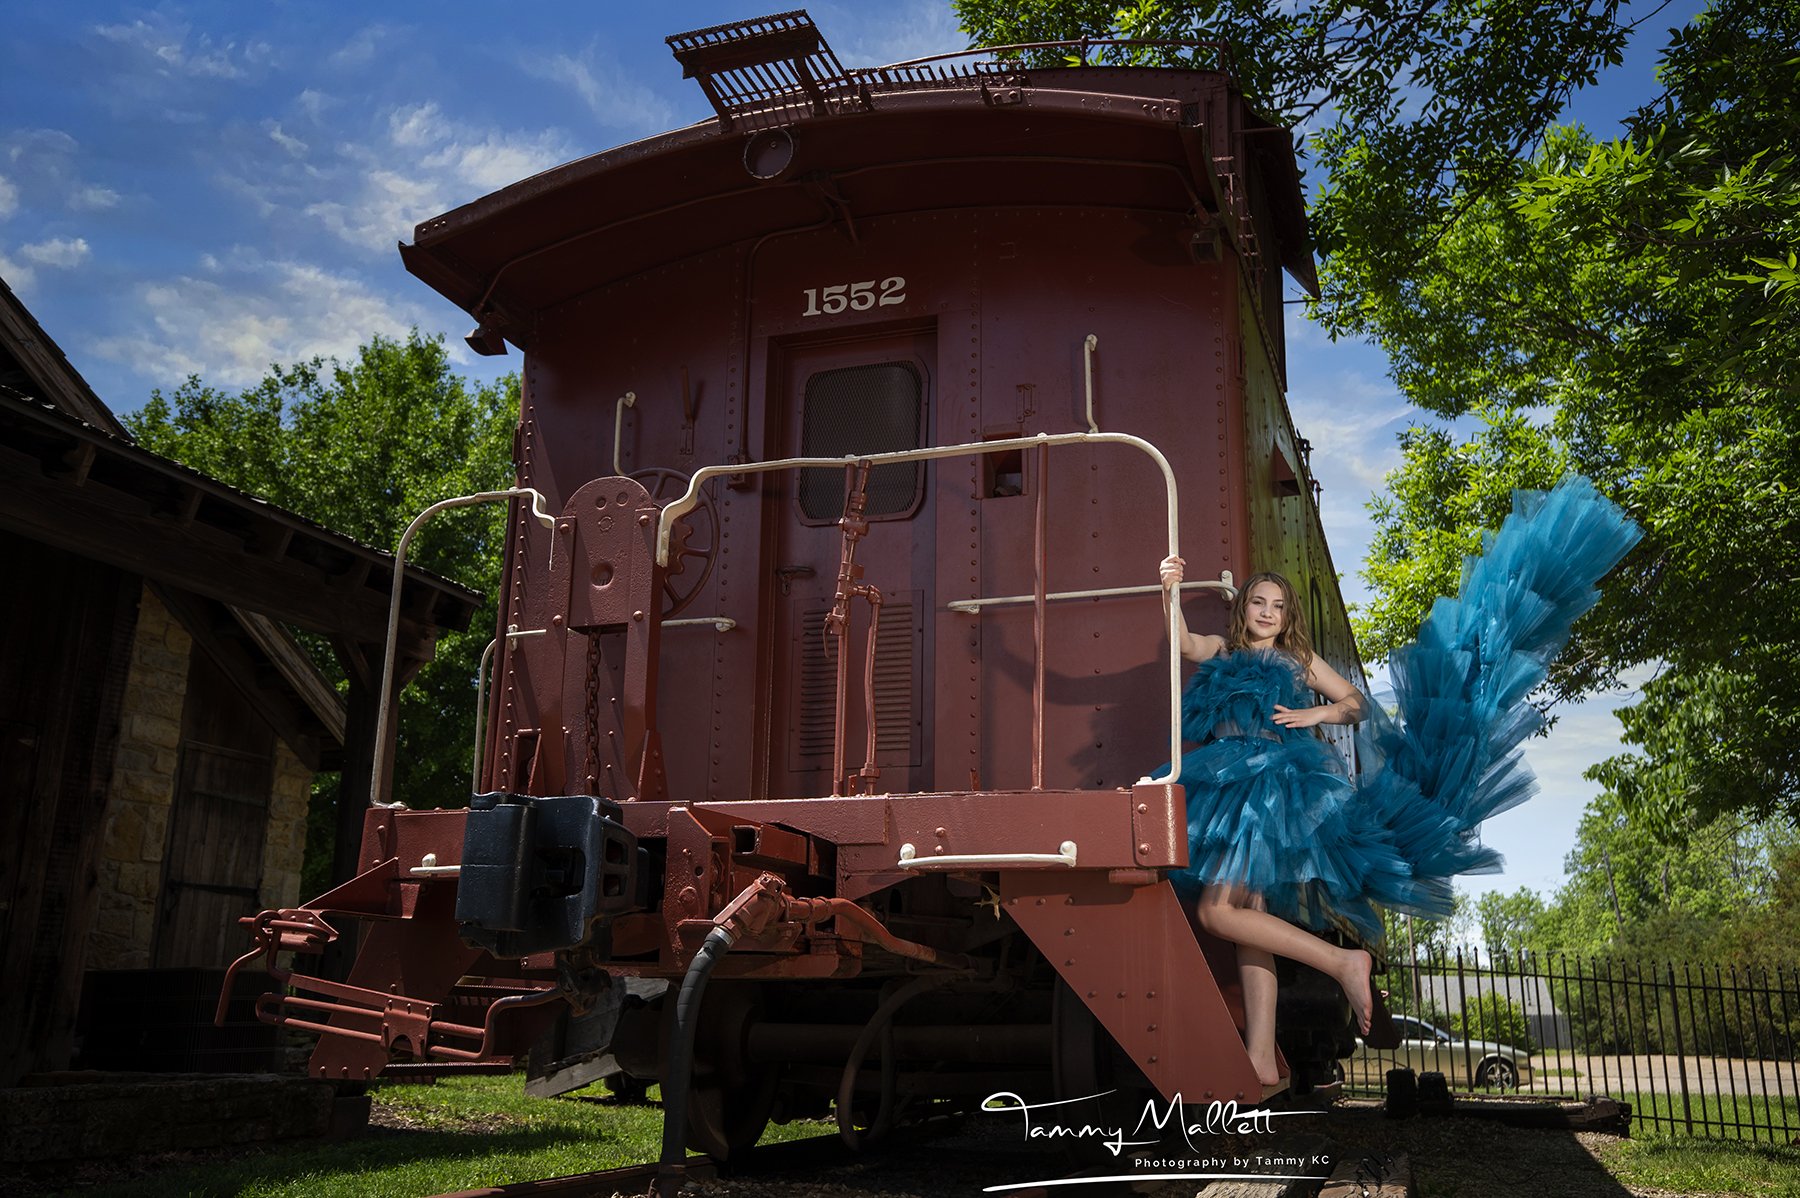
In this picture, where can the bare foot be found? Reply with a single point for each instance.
(1267, 1072)
(1355, 981)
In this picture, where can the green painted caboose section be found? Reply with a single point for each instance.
(1286, 533)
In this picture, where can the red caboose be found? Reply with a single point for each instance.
(843, 651)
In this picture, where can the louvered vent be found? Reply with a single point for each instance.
(897, 669)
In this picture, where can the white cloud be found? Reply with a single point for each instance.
(18, 276)
(44, 169)
(360, 49)
(247, 313)
(60, 253)
(49, 150)
(428, 164)
(168, 49)
(383, 212)
(313, 104)
(616, 100)
(93, 199)
(1351, 421)
(291, 144)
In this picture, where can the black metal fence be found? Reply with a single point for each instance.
(1701, 1050)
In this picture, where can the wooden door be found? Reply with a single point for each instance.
(218, 825)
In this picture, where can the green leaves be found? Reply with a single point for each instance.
(1628, 309)
(362, 447)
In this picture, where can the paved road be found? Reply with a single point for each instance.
(1620, 1075)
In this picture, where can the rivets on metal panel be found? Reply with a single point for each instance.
(1093, 994)
(1149, 994)
(1152, 1059)
(1040, 902)
(1121, 994)
(1068, 931)
(1070, 961)
(1144, 848)
(939, 831)
(1143, 808)
(1151, 1028)
(638, 615)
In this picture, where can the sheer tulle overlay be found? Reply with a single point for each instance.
(1270, 808)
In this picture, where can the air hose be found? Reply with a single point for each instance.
(671, 1167)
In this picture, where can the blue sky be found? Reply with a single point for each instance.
(206, 188)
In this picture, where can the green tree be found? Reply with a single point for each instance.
(1415, 104)
(1632, 894)
(362, 447)
(1492, 1016)
(1631, 309)
(1508, 923)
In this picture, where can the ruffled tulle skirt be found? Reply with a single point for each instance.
(1273, 811)
(1278, 818)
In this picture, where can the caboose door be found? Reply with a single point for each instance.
(858, 395)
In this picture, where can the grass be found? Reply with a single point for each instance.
(462, 1133)
(1663, 1156)
(1665, 1116)
(1694, 1166)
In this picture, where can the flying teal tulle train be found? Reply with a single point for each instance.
(1270, 809)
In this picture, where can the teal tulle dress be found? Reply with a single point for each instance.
(1272, 809)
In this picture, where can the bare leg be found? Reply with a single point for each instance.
(1256, 972)
(1231, 914)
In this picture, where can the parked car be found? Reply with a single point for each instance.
(1465, 1064)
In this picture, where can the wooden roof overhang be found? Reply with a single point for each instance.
(69, 484)
(1114, 137)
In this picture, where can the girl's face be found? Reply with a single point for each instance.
(1265, 612)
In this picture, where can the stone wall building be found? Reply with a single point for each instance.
(160, 727)
(134, 843)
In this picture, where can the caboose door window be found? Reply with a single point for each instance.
(842, 397)
(863, 410)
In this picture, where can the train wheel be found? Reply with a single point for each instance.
(724, 1118)
(692, 544)
(730, 1098)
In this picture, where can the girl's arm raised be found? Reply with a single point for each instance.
(1194, 646)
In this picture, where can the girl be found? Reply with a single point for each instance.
(1253, 826)
(1278, 836)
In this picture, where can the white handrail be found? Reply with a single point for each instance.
(719, 623)
(1225, 586)
(538, 511)
(691, 497)
(1088, 347)
(910, 859)
(513, 632)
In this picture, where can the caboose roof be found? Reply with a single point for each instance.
(1119, 137)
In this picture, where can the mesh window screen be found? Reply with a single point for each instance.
(861, 410)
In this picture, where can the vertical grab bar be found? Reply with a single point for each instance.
(1041, 562)
(382, 730)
